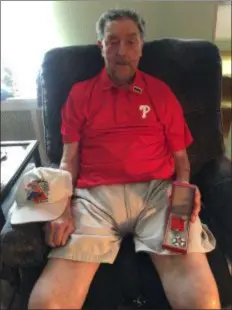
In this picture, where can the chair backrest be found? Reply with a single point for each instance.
(192, 68)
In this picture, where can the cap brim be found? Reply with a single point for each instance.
(43, 212)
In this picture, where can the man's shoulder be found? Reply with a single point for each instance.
(85, 86)
(154, 83)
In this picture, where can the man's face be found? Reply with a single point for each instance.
(121, 48)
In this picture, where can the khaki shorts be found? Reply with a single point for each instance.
(105, 214)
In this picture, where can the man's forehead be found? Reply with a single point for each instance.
(124, 27)
(111, 35)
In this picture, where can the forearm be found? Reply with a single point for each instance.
(70, 162)
(70, 166)
(182, 166)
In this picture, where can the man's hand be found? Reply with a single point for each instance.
(58, 231)
(197, 203)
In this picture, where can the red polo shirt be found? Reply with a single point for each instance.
(125, 135)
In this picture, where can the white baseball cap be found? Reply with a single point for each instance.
(41, 196)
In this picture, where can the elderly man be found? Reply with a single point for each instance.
(125, 138)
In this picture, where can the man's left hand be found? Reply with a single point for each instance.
(197, 203)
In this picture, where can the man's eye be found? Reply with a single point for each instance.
(131, 42)
(113, 42)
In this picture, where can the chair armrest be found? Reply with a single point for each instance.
(215, 183)
(22, 245)
(8, 202)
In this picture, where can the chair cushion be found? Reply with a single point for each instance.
(192, 68)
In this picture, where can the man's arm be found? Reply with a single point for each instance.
(70, 160)
(58, 231)
(182, 165)
(177, 133)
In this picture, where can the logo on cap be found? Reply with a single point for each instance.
(37, 191)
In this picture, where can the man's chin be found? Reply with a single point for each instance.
(121, 76)
(124, 77)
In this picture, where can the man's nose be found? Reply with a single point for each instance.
(122, 48)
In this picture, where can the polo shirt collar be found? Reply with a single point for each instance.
(137, 85)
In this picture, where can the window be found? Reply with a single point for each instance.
(28, 30)
(226, 64)
(223, 24)
(223, 35)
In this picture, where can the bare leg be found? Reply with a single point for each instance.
(64, 284)
(188, 281)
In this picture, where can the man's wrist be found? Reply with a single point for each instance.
(183, 176)
(182, 181)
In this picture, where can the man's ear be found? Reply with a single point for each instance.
(99, 43)
(141, 48)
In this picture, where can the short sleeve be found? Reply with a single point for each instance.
(177, 132)
(72, 116)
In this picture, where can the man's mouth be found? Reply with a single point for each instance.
(121, 63)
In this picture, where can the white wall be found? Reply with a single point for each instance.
(187, 19)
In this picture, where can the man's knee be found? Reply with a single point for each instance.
(212, 303)
(188, 281)
(198, 300)
(39, 300)
(63, 284)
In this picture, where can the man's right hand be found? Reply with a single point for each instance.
(58, 231)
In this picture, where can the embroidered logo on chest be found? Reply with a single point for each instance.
(145, 110)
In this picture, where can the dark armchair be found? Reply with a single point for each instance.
(192, 69)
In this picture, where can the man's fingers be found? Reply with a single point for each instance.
(59, 232)
(69, 229)
(193, 218)
(169, 193)
(197, 205)
(197, 196)
(50, 233)
(197, 201)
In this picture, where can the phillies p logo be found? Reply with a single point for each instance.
(145, 110)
